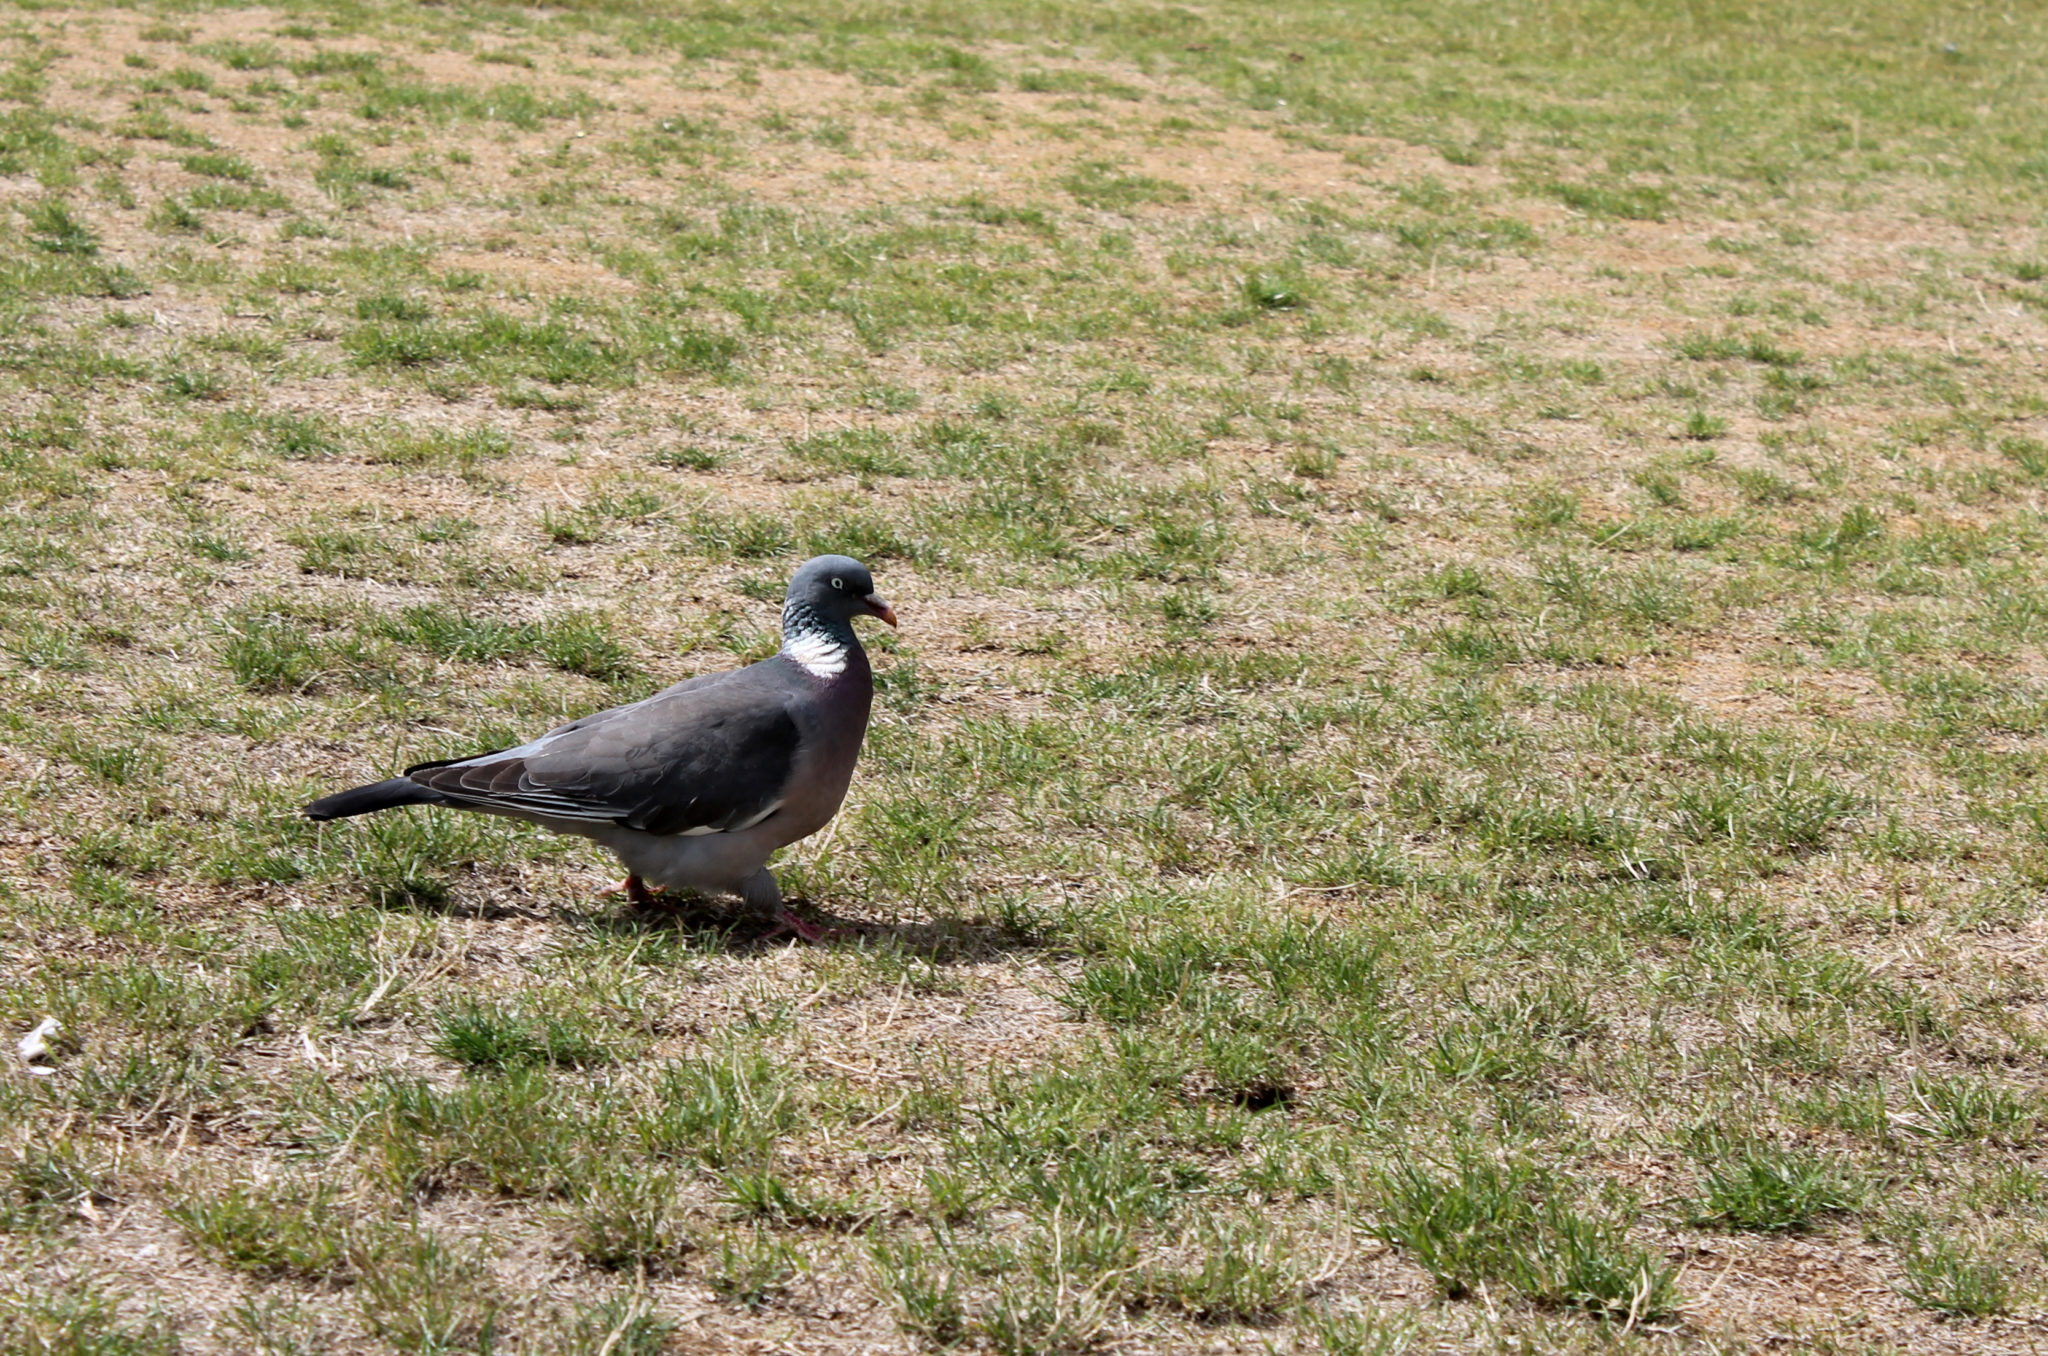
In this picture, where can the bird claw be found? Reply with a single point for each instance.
(634, 889)
(787, 922)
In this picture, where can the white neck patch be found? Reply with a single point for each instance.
(816, 653)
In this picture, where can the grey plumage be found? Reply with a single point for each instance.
(697, 785)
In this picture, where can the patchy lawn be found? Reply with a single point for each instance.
(1465, 767)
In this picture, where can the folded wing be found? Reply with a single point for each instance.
(694, 759)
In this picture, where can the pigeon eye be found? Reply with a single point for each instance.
(838, 583)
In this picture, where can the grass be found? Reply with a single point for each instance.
(1481, 1222)
(1764, 1188)
(269, 1230)
(1958, 1277)
(1463, 770)
(485, 1039)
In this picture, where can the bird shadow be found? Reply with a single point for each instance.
(438, 900)
(717, 925)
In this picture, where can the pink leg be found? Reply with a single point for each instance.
(636, 890)
(633, 888)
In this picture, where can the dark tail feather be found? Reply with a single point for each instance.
(376, 796)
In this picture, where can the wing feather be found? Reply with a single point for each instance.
(695, 759)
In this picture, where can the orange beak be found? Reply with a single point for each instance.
(879, 605)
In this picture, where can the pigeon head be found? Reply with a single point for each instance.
(834, 590)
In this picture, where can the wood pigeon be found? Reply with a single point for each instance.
(694, 787)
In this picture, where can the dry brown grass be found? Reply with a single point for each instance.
(1303, 582)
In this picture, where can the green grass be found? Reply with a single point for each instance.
(486, 1039)
(1958, 1277)
(282, 1230)
(1764, 1188)
(1483, 1223)
(1463, 769)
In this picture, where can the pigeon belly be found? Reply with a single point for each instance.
(720, 861)
(711, 861)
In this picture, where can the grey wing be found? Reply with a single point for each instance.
(709, 759)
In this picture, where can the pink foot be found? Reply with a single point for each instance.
(633, 888)
(785, 921)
